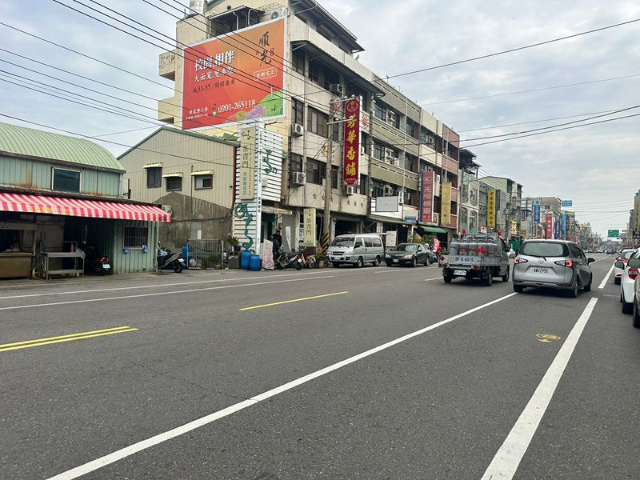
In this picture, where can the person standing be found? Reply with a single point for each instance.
(277, 243)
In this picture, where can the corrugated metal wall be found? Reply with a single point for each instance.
(135, 261)
(208, 155)
(19, 172)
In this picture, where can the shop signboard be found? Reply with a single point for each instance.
(563, 226)
(514, 227)
(223, 82)
(247, 163)
(491, 208)
(549, 225)
(557, 231)
(351, 151)
(309, 227)
(536, 213)
(567, 203)
(445, 208)
(427, 181)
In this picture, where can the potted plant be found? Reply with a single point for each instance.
(321, 261)
(233, 242)
(214, 261)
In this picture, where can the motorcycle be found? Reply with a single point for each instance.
(170, 261)
(288, 260)
(93, 262)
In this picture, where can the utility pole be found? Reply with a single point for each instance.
(326, 224)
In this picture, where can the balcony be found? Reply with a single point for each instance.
(167, 65)
(168, 109)
(392, 174)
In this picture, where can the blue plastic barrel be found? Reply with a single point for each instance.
(185, 253)
(254, 262)
(244, 259)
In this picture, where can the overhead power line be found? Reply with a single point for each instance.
(516, 49)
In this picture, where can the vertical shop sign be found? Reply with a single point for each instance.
(247, 163)
(351, 158)
(309, 227)
(426, 197)
(549, 226)
(446, 203)
(491, 208)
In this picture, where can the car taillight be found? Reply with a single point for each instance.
(565, 263)
(624, 260)
(520, 260)
(633, 273)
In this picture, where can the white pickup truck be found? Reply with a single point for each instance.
(482, 256)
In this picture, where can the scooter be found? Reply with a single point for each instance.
(95, 263)
(170, 261)
(287, 260)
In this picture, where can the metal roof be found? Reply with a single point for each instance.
(39, 144)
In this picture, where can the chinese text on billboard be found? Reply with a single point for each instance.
(426, 197)
(491, 208)
(351, 159)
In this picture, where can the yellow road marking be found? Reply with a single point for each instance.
(64, 338)
(547, 337)
(293, 301)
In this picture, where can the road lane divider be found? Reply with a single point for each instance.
(606, 277)
(295, 300)
(157, 294)
(506, 461)
(7, 347)
(134, 448)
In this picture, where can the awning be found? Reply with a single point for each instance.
(169, 175)
(153, 165)
(275, 210)
(377, 218)
(433, 229)
(12, 202)
(202, 172)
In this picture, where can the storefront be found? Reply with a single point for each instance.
(41, 235)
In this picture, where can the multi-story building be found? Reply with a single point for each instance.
(469, 192)
(508, 204)
(321, 71)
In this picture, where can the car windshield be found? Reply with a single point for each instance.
(545, 249)
(343, 242)
(407, 247)
(627, 255)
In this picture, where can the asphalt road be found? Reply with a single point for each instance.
(337, 373)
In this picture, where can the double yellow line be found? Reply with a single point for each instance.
(7, 347)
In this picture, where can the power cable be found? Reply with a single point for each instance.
(516, 49)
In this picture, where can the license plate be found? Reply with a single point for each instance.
(460, 272)
(106, 266)
(395, 260)
(540, 270)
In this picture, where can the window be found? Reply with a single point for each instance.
(66, 180)
(196, 231)
(363, 188)
(545, 249)
(317, 122)
(298, 61)
(335, 180)
(377, 242)
(135, 237)
(203, 182)
(174, 183)
(379, 111)
(295, 165)
(378, 151)
(154, 177)
(316, 171)
(367, 242)
(297, 111)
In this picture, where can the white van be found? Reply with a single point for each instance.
(356, 249)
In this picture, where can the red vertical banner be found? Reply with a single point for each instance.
(351, 157)
(426, 197)
(549, 225)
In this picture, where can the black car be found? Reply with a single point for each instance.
(412, 254)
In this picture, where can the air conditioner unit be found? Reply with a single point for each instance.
(363, 150)
(337, 88)
(278, 13)
(391, 117)
(387, 191)
(394, 161)
(349, 189)
(298, 178)
(297, 130)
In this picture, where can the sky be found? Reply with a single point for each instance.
(596, 166)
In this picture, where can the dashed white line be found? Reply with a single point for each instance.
(505, 463)
(606, 277)
(188, 427)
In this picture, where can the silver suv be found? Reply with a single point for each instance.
(554, 264)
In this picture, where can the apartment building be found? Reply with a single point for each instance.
(469, 192)
(405, 155)
(508, 204)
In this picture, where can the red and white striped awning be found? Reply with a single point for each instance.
(13, 202)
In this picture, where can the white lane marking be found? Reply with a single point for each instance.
(89, 300)
(161, 285)
(606, 277)
(188, 427)
(506, 461)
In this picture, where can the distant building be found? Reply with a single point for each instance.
(508, 204)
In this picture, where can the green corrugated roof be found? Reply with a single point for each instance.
(36, 143)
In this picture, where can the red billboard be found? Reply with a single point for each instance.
(427, 181)
(549, 226)
(226, 81)
(351, 154)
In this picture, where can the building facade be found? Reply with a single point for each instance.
(508, 208)
(469, 193)
(58, 194)
(320, 71)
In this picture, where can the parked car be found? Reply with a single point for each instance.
(356, 249)
(556, 264)
(618, 269)
(412, 254)
(636, 300)
(629, 275)
(512, 253)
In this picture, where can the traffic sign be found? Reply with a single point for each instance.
(613, 233)
(567, 203)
